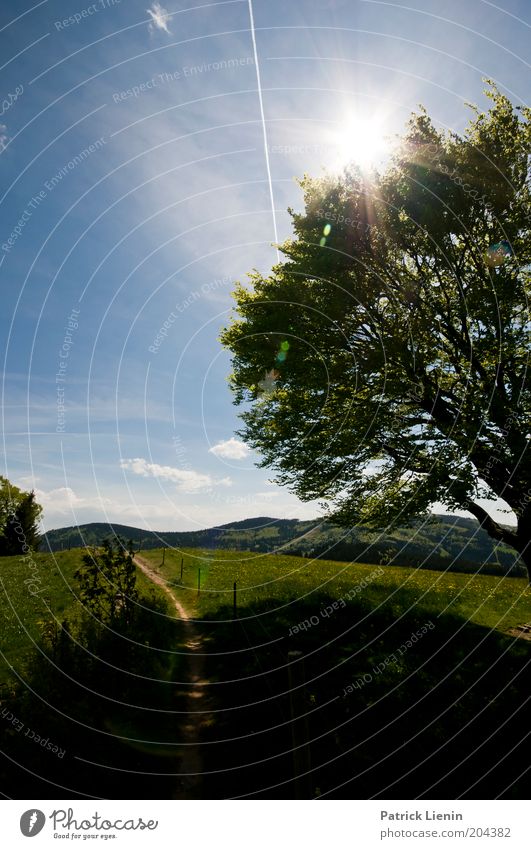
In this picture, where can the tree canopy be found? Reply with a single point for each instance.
(19, 518)
(383, 363)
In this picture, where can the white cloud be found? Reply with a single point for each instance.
(187, 480)
(230, 449)
(65, 506)
(63, 503)
(159, 18)
(62, 499)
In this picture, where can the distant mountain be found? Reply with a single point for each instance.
(439, 542)
(262, 534)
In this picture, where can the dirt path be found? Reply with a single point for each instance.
(521, 631)
(191, 762)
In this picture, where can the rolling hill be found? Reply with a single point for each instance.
(438, 542)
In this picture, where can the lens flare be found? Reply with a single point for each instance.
(497, 254)
(327, 229)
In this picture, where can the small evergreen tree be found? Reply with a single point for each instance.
(20, 532)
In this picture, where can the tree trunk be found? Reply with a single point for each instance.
(525, 557)
(523, 545)
(520, 539)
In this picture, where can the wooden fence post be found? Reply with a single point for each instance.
(182, 560)
(234, 607)
(198, 582)
(299, 727)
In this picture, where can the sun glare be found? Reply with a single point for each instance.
(361, 141)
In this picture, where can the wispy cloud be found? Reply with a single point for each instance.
(230, 449)
(3, 137)
(187, 480)
(159, 18)
(27, 482)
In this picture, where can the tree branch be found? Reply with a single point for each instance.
(494, 529)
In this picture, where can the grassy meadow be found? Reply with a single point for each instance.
(286, 582)
(106, 700)
(27, 608)
(384, 681)
(410, 687)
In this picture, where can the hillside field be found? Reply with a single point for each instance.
(407, 684)
(440, 542)
(285, 582)
(392, 682)
(23, 614)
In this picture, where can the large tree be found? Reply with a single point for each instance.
(383, 362)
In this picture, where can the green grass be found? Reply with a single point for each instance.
(498, 603)
(23, 614)
(417, 727)
(453, 696)
(107, 695)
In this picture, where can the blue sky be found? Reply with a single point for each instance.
(136, 190)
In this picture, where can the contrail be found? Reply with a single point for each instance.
(264, 128)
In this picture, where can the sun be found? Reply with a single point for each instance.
(361, 141)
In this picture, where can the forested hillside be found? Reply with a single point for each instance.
(440, 542)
